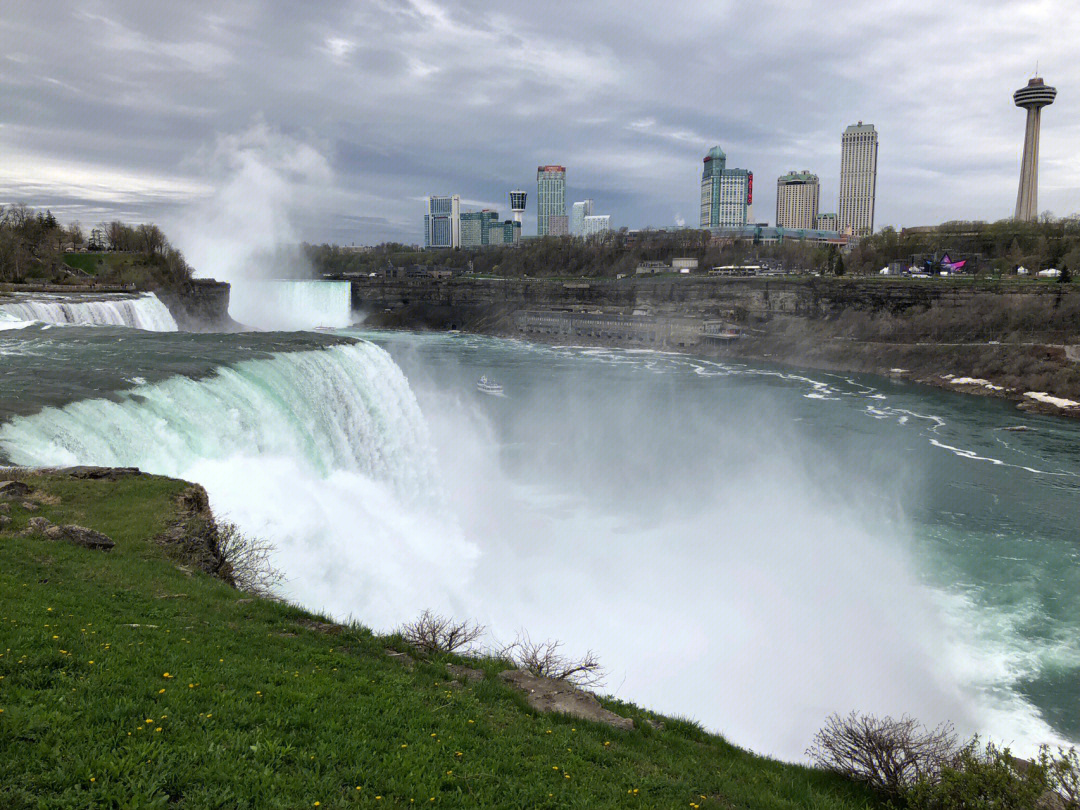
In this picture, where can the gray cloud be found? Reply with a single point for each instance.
(112, 107)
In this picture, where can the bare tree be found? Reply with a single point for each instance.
(433, 633)
(75, 236)
(545, 659)
(114, 233)
(152, 238)
(249, 560)
(889, 755)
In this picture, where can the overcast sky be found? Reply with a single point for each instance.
(343, 116)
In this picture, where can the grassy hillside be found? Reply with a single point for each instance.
(130, 680)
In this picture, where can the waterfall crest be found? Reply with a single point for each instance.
(144, 311)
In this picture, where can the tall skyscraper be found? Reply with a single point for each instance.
(442, 222)
(797, 197)
(578, 212)
(726, 194)
(1032, 98)
(858, 178)
(517, 204)
(551, 200)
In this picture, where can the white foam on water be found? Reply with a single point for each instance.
(758, 609)
(144, 311)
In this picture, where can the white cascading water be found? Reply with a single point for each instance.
(772, 603)
(310, 449)
(144, 311)
(291, 305)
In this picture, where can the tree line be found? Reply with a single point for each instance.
(991, 247)
(33, 246)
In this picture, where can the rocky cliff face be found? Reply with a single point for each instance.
(202, 305)
(1019, 337)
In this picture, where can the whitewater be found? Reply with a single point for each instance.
(144, 311)
(752, 547)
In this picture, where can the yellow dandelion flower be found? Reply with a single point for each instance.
(89, 662)
(161, 691)
(404, 745)
(157, 729)
(56, 636)
(166, 675)
(93, 779)
(148, 720)
(191, 686)
(316, 804)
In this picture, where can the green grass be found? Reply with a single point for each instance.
(89, 263)
(258, 711)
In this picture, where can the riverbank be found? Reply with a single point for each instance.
(1014, 341)
(123, 668)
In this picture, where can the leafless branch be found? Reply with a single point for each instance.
(888, 755)
(249, 559)
(432, 633)
(545, 659)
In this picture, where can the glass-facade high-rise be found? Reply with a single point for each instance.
(476, 228)
(551, 200)
(858, 178)
(442, 222)
(726, 194)
(578, 212)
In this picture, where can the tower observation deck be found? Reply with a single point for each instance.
(517, 204)
(1036, 95)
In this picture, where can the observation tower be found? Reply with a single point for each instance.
(1032, 98)
(517, 204)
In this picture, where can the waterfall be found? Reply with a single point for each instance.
(291, 305)
(144, 311)
(325, 453)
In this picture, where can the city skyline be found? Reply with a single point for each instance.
(105, 131)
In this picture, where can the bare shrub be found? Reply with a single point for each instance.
(545, 659)
(889, 755)
(432, 633)
(249, 560)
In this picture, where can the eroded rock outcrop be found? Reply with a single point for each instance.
(561, 697)
(69, 533)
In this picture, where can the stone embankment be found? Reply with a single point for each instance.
(1020, 337)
